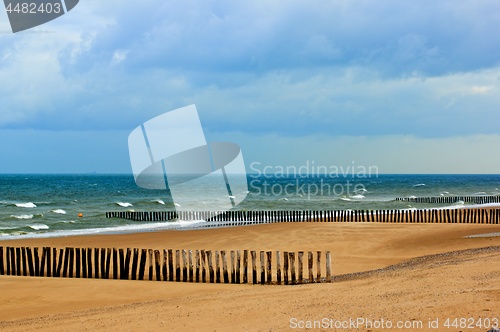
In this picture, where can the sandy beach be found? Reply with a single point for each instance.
(455, 279)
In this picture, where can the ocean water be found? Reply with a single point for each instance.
(49, 205)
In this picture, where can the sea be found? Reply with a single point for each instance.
(53, 205)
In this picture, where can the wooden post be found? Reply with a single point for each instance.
(217, 267)
(203, 266)
(30, 262)
(42, 262)
(301, 267)
(269, 270)
(292, 267)
(318, 267)
(151, 263)
(177, 265)
(103, 263)
(245, 266)
(7, 260)
(96, 263)
(210, 266)
(285, 267)
(170, 265)
(278, 268)
(233, 269)
(135, 260)
(262, 268)
(78, 263)
(115, 262)
(184, 266)
(310, 266)
(165, 265)
(224, 267)
(71, 252)
(37, 261)
(2, 271)
(89, 263)
(328, 267)
(18, 261)
(142, 265)
(190, 258)
(66, 262)
(238, 264)
(158, 267)
(197, 259)
(254, 266)
(126, 270)
(23, 260)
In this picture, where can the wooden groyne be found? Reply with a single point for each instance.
(480, 199)
(237, 218)
(200, 266)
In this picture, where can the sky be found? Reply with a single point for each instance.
(405, 86)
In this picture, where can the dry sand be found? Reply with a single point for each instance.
(456, 285)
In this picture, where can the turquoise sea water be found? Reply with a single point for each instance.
(48, 205)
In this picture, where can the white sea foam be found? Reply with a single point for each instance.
(480, 193)
(142, 227)
(26, 205)
(38, 227)
(23, 216)
(419, 185)
(59, 211)
(357, 196)
(124, 204)
(159, 201)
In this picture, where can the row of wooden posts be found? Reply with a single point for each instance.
(480, 199)
(205, 266)
(234, 218)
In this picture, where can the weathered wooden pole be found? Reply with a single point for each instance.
(254, 266)
(318, 267)
(89, 263)
(190, 259)
(164, 264)
(262, 268)
(77, 262)
(135, 260)
(310, 266)
(203, 266)
(301, 267)
(197, 259)
(217, 266)
(278, 267)
(224, 267)
(142, 265)
(269, 268)
(285, 267)
(30, 262)
(245, 266)
(292, 267)
(170, 265)
(184, 266)
(210, 266)
(328, 259)
(177, 265)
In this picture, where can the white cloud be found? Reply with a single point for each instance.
(119, 56)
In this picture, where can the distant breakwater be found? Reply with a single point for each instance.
(479, 199)
(238, 218)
